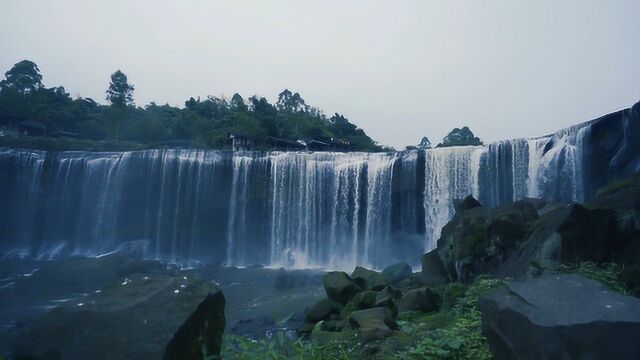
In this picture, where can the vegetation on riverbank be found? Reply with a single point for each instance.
(453, 332)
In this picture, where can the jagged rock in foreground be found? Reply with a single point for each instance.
(200, 336)
(134, 318)
(561, 317)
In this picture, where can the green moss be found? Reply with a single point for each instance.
(474, 240)
(450, 293)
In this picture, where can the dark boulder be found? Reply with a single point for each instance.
(469, 202)
(397, 272)
(561, 317)
(570, 234)
(200, 336)
(433, 270)
(141, 312)
(479, 240)
(369, 279)
(322, 311)
(363, 300)
(423, 299)
(340, 287)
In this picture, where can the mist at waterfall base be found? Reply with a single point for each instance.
(291, 209)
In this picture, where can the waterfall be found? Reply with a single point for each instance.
(293, 209)
(449, 174)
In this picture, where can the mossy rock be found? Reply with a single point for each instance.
(388, 298)
(359, 318)
(423, 299)
(363, 300)
(369, 279)
(450, 293)
(340, 287)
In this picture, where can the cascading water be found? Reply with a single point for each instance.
(293, 209)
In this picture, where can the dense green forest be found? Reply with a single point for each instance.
(25, 103)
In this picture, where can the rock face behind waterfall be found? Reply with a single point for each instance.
(524, 239)
(561, 317)
(612, 148)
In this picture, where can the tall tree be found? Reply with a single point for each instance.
(120, 94)
(23, 78)
(287, 101)
(237, 103)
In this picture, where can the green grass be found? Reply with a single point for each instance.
(279, 347)
(455, 333)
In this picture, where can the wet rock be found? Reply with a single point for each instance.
(369, 279)
(200, 336)
(340, 287)
(423, 299)
(397, 272)
(561, 317)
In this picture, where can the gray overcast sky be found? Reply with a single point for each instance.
(398, 69)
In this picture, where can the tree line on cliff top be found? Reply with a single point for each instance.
(200, 123)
